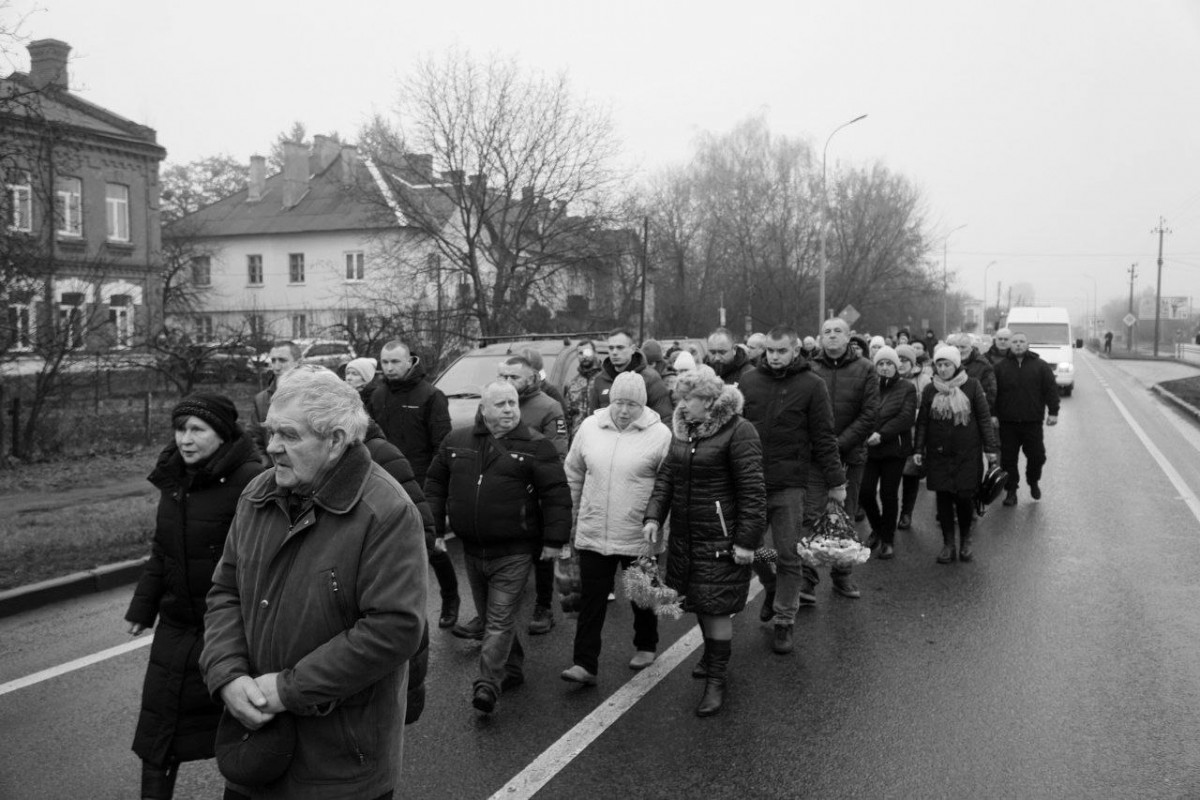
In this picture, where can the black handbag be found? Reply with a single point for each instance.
(912, 469)
(258, 757)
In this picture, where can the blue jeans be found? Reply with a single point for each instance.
(496, 586)
(785, 519)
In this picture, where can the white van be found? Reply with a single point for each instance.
(1049, 332)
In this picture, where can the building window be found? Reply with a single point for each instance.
(70, 319)
(204, 328)
(68, 206)
(356, 323)
(254, 324)
(296, 267)
(354, 266)
(120, 319)
(299, 326)
(20, 196)
(20, 335)
(254, 274)
(201, 271)
(116, 204)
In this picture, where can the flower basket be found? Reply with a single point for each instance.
(644, 587)
(834, 542)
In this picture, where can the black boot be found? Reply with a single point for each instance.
(767, 612)
(947, 554)
(158, 782)
(701, 668)
(964, 547)
(714, 688)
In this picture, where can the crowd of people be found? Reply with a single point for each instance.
(287, 577)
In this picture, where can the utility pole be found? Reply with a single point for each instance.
(1129, 332)
(645, 268)
(1161, 230)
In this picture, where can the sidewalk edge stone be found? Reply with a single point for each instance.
(77, 584)
(1177, 400)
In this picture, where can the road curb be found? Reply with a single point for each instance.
(1184, 405)
(68, 587)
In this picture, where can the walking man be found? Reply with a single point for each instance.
(789, 407)
(506, 493)
(622, 357)
(284, 357)
(729, 361)
(415, 416)
(1026, 393)
(999, 348)
(579, 389)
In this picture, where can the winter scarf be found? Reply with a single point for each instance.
(950, 402)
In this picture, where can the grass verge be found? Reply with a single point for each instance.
(1186, 389)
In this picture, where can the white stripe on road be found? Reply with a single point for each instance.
(71, 666)
(531, 779)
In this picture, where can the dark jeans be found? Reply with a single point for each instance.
(1015, 436)
(543, 583)
(443, 568)
(815, 500)
(785, 513)
(911, 485)
(950, 505)
(882, 476)
(497, 585)
(596, 572)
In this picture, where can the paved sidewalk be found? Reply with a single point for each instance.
(1148, 373)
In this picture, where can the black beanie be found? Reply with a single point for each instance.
(217, 410)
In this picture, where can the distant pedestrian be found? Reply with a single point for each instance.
(364, 377)
(711, 486)
(577, 394)
(888, 447)
(199, 475)
(910, 484)
(283, 357)
(1026, 394)
(1108, 337)
(977, 366)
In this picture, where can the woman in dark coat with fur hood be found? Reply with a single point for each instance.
(954, 429)
(200, 475)
(711, 484)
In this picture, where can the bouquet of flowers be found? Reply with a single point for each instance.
(644, 586)
(833, 542)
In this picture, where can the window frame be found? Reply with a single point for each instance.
(20, 321)
(204, 328)
(254, 268)
(196, 263)
(295, 260)
(355, 266)
(68, 207)
(119, 205)
(18, 203)
(299, 326)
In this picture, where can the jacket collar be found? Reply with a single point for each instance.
(646, 419)
(798, 365)
(522, 431)
(338, 494)
(1028, 354)
(637, 363)
(726, 407)
(170, 469)
(845, 358)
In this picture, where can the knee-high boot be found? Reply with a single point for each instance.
(714, 686)
(158, 783)
(947, 555)
(701, 668)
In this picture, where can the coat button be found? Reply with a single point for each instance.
(264, 604)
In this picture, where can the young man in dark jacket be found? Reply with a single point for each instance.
(622, 357)
(415, 416)
(729, 361)
(854, 394)
(506, 494)
(789, 406)
(1025, 394)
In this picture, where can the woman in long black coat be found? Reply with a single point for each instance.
(954, 429)
(200, 476)
(711, 484)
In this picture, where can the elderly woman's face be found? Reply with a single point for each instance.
(301, 457)
(355, 378)
(624, 412)
(697, 408)
(196, 440)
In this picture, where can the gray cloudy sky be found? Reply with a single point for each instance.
(1057, 132)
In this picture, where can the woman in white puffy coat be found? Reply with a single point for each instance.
(611, 468)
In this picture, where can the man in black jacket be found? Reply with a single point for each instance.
(1025, 391)
(508, 501)
(999, 348)
(729, 361)
(623, 357)
(415, 416)
(789, 406)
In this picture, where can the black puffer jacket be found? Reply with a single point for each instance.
(178, 717)
(854, 391)
(897, 413)
(954, 453)
(388, 456)
(657, 395)
(981, 369)
(414, 415)
(500, 504)
(790, 410)
(1026, 389)
(733, 372)
(718, 461)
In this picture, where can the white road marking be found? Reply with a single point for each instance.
(79, 663)
(1185, 492)
(531, 779)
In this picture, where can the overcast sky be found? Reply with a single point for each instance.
(1057, 132)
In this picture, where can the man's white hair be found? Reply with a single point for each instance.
(329, 404)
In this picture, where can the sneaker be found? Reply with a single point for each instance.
(484, 699)
(449, 617)
(1035, 491)
(578, 674)
(808, 592)
(846, 588)
(886, 551)
(542, 622)
(469, 630)
(905, 522)
(642, 659)
(1010, 499)
(782, 643)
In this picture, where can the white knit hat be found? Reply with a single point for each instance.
(684, 362)
(628, 386)
(886, 353)
(364, 367)
(948, 353)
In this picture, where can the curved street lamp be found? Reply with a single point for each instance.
(825, 214)
(946, 277)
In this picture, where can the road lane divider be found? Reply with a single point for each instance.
(79, 663)
(531, 779)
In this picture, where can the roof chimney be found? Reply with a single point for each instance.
(349, 164)
(324, 151)
(258, 178)
(48, 63)
(295, 173)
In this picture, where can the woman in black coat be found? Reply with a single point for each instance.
(711, 484)
(887, 449)
(200, 476)
(954, 428)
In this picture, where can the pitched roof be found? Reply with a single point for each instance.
(61, 106)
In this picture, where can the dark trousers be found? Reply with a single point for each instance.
(596, 573)
(443, 568)
(911, 487)
(1015, 436)
(882, 476)
(543, 583)
(951, 505)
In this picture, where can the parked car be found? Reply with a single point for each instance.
(228, 361)
(331, 353)
(463, 380)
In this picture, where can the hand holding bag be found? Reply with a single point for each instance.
(258, 757)
(912, 469)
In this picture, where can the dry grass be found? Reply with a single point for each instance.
(1187, 389)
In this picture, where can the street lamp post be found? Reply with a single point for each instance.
(1093, 330)
(824, 215)
(983, 323)
(946, 279)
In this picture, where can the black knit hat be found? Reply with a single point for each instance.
(215, 409)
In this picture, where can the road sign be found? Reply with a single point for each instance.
(1129, 320)
(850, 314)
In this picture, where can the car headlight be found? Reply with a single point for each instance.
(1066, 367)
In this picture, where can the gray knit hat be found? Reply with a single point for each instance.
(628, 386)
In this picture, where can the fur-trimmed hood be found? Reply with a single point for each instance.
(726, 407)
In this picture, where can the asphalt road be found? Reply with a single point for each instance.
(1062, 663)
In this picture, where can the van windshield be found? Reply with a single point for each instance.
(1052, 333)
